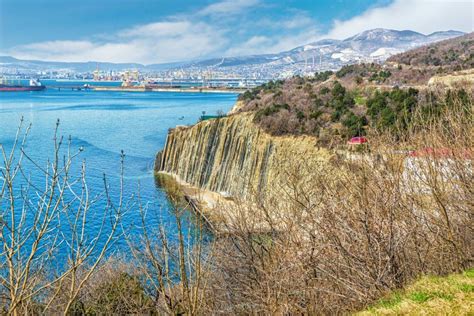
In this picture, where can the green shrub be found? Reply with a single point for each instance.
(122, 295)
(324, 90)
(345, 70)
(322, 76)
(354, 124)
(271, 110)
(300, 115)
(315, 114)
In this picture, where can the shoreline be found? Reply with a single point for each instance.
(204, 203)
(184, 90)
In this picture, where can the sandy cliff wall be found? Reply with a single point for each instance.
(232, 155)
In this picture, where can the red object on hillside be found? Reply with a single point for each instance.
(359, 140)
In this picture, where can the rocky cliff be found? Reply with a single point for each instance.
(233, 155)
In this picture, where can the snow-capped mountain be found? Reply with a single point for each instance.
(369, 46)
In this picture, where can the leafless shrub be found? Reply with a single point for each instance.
(327, 237)
(45, 243)
(174, 271)
(339, 237)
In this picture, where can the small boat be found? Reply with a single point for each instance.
(34, 85)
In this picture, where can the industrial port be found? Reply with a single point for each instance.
(134, 81)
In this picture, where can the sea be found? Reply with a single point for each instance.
(99, 126)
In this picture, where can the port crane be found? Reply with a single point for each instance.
(129, 77)
(97, 73)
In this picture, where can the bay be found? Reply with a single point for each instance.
(103, 123)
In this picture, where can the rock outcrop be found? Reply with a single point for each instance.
(231, 155)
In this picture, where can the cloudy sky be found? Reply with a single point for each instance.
(160, 31)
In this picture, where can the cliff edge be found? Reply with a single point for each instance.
(233, 156)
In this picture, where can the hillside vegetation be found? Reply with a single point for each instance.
(454, 54)
(334, 111)
(341, 237)
(335, 106)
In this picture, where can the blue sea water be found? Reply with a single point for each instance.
(103, 124)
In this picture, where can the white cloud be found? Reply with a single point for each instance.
(252, 46)
(425, 16)
(181, 38)
(292, 22)
(166, 28)
(296, 29)
(67, 47)
(213, 32)
(275, 44)
(228, 7)
(167, 41)
(297, 22)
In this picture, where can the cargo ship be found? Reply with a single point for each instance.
(34, 85)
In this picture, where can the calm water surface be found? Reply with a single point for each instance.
(104, 123)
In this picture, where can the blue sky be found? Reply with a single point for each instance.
(157, 31)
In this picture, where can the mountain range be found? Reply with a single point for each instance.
(369, 46)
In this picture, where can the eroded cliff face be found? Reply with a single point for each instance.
(233, 155)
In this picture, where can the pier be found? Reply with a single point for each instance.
(171, 89)
(72, 88)
(149, 89)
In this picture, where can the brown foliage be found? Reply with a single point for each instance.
(323, 241)
(455, 53)
(340, 238)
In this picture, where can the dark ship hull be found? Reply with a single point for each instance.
(13, 88)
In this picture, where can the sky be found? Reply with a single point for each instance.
(162, 31)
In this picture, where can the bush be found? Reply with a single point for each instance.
(271, 110)
(315, 114)
(324, 90)
(345, 70)
(323, 76)
(355, 125)
(338, 91)
(123, 294)
(300, 115)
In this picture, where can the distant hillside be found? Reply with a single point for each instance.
(456, 53)
(369, 46)
(38, 65)
(335, 106)
(376, 44)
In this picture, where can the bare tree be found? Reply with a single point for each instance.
(174, 265)
(48, 249)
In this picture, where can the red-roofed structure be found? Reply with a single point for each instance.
(359, 140)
